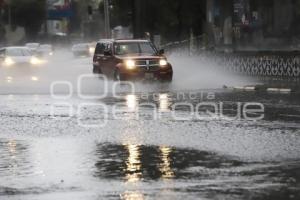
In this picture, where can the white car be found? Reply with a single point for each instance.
(45, 50)
(18, 56)
(33, 47)
(82, 49)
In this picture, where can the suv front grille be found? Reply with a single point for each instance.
(148, 65)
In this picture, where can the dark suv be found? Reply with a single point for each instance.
(126, 60)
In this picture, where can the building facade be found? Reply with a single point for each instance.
(254, 24)
(80, 18)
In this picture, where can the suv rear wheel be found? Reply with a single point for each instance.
(96, 70)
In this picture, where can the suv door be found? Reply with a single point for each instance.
(107, 63)
(98, 57)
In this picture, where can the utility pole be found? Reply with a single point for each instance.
(2, 27)
(107, 19)
(1, 11)
(9, 13)
(46, 18)
(137, 16)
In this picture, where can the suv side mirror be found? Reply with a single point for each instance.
(161, 52)
(107, 53)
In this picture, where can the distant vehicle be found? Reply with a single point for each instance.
(125, 60)
(18, 56)
(33, 46)
(82, 49)
(45, 50)
(92, 47)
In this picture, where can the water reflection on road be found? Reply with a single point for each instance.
(133, 171)
(148, 159)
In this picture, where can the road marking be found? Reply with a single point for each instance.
(247, 88)
(286, 115)
(271, 90)
(250, 88)
(279, 90)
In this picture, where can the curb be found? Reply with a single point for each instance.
(264, 89)
(279, 90)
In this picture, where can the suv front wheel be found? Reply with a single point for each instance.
(118, 76)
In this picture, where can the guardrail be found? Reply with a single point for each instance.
(281, 64)
(192, 46)
(251, 63)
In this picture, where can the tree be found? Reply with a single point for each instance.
(30, 14)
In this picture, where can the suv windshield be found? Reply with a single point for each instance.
(135, 48)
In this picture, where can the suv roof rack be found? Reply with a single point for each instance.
(123, 40)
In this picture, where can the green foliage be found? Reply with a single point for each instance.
(29, 14)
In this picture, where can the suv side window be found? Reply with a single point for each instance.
(108, 47)
(100, 48)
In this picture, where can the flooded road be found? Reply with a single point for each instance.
(60, 169)
(159, 142)
(44, 157)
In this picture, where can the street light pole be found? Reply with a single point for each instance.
(9, 12)
(137, 18)
(46, 18)
(107, 19)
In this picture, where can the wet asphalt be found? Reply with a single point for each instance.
(158, 142)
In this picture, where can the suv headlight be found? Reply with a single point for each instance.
(9, 61)
(130, 64)
(163, 62)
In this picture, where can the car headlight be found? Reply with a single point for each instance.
(91, 50)
(34, 78)
(9, 61)
(51, 54)
(35, 61)
(130, 64)
(163, 62)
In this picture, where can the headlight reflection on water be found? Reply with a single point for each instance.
(165, 166)
(133, 163)
(9, 79)
(132, 102)
(13, 162)
(132, 195)
(164, 103)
